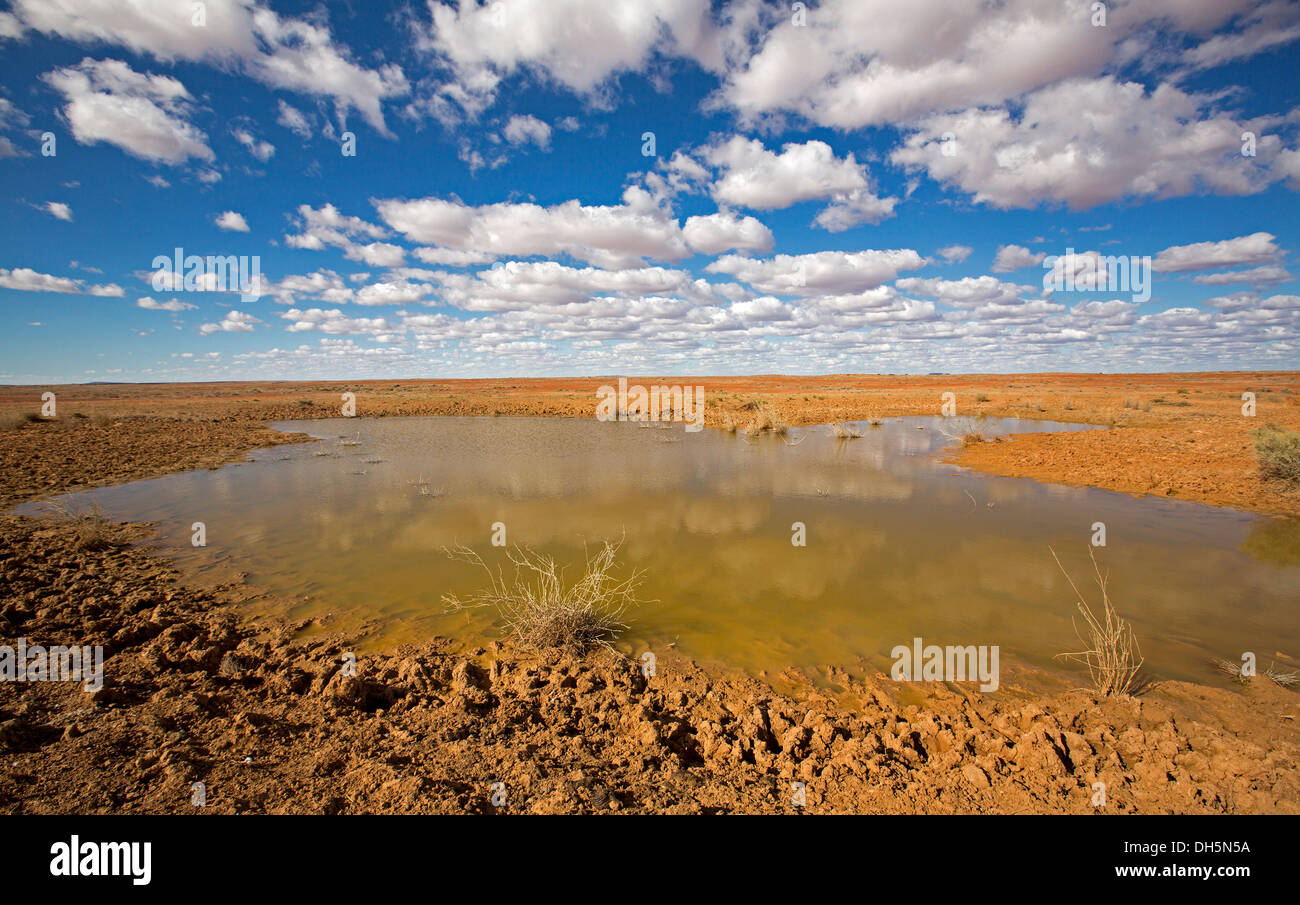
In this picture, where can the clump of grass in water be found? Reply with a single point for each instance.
(1273, 674)
(1112, 656)
(541, 611)
(765, 421)
(1278, 451)
(964, 430)
(843, 430)
(94, 532)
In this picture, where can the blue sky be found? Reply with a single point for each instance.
(850, 186)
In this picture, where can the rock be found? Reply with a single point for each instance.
(465, 675)
(347, 691)
(975, 776)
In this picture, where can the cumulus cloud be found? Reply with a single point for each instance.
(262, 150)
(232, 221)
(749, 175)
(170, 305)
(832, 272)
(955, 254)
(1256, 248)
(233, 322)
(336, 322)
(968, 292)
(1015, 257)
(293, 54)
(1243, 301)
(610, 236)
(577, 44)
(521, 130)
(1087, 142)
(58, 210)
(326, 227)
(860, 63)
(713, 234)
(143, 114)
(24, 279)
(1270, 26)
(528, 285)
(1257, 276)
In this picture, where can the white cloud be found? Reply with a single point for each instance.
(293, 54)
(1087, 142)
(1256, 248)
(10, 27)
(10, 118)
(393, 292)
(169, 305)
(955, 254)
(832, 272)
(336, 322)
(1242, 301)
(326, 227)
(58, 209)
(294, 120)
(143, 114)
(1271, 25)
(606, 236)
(713, 234)
(861, 63)
(751, 176)
(262, 150)
(233, 322)
(232, 221)
(527, 285)
(377, 254)
(1257, 276)
(968, 292)
(24, 279)
(525, 129)
(577, 44)
(1015, 257)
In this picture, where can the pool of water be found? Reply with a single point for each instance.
(351, 531)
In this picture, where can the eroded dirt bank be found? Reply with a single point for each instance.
(196, 691)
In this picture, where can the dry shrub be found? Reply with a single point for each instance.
(94, 532)
(843, 430)
(1284, 679)
(1112, 655)
(965, 430)
(1273, 674)
(541, 611)
(764, 420)
(1278, 450)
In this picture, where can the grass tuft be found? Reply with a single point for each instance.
(94, 532)
(541, 611)
(1112, 654)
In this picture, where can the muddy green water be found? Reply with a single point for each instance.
(899, 544)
